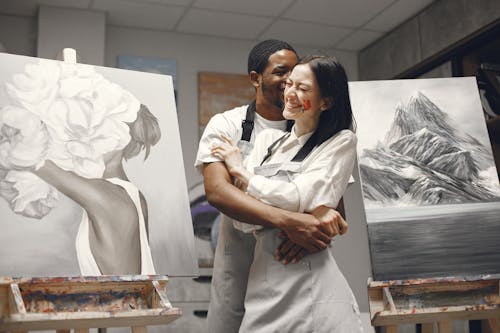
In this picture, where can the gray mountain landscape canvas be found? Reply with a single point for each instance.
(429, 183)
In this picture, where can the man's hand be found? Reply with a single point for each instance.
(307, 231)
(331, 217)
(330, 224)
(289, 252)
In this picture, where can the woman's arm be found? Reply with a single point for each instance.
(231, 155)
(82, 190)
(321, 183)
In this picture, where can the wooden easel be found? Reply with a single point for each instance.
(440, 300)
(81, 303)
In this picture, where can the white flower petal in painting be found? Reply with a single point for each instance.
(36, 88)
(27, 194)
(66, 113)
(24, 139)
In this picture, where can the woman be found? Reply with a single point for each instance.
(112, 237)
(300, 171)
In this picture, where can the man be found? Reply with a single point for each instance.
(269, 64)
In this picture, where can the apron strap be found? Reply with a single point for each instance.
(247, 124)
(306, 148)
(301, 154)
(272, 146)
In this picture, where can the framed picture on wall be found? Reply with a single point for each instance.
(218, 92)
(150, 65)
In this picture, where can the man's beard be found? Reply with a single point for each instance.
(275, 100)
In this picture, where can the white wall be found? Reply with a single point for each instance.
(18, 34)
(193, 54)
(82, 30)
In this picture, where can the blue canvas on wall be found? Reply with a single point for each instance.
(150, 65)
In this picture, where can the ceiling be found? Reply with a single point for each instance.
(340, 24)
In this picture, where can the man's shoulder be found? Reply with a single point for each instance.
(231, 117)
(237, 112)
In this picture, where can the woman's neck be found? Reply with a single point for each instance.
(302, 127)
(114, 169)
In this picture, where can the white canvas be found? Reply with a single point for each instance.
(46, 246)
(430, 186)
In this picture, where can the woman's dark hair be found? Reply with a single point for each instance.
(144, 133)
(332, 82)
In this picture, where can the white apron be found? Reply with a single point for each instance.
(309, 296)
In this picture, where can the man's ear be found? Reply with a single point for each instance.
(255, 79)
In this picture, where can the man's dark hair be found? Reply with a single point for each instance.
(259, 55)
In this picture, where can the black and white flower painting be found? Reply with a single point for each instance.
(91, 174)
(429, 182)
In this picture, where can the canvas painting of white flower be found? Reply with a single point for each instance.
(91, 173)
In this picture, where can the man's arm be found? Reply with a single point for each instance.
(289, 252)
(303, 229)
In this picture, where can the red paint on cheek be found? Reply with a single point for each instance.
(307, 104)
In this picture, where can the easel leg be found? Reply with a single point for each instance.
(444, 326)
(139, 329)
(427, 327)
(391, 329)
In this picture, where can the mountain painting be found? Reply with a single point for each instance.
(430, 186)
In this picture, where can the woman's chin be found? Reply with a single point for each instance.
(290, 114)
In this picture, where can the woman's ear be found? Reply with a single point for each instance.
(255, 79)
(326, 104)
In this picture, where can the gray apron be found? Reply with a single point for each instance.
(309, 296)
(232, 261)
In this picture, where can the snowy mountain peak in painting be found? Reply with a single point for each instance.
(424, 160)
(417, 114)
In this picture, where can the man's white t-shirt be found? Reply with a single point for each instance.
(229, 124)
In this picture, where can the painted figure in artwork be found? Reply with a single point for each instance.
(68, 130)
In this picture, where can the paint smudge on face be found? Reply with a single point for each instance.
(306, 105)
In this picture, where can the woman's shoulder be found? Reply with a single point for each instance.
(345, 135)
(345, 138)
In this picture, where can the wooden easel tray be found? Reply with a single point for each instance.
(83, 302)
(432, 300)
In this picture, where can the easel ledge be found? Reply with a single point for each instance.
(84, 302)
(433, 300)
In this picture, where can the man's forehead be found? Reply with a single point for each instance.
(282, 58)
